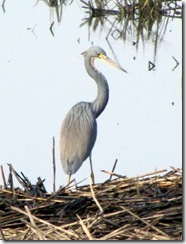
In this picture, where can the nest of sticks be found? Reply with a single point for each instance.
(147, 207)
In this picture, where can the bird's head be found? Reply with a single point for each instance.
(97, 52)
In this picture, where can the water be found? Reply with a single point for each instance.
(43, 76)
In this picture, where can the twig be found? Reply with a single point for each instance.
(176, 169)
(153, 236)
(137, 188)
(90, 218)
(96, 201)
(54, 195)
(115, 233)
(3, 237)
(85, 228)
(10, 178)
(54, 165)
(40, 185)
(145, 222)
(33, 223)
(146, 230)
(18, 177)
(45, 222)
(36, 230)
(113, 169)
(3, 176)
(132, 178)
(111, 173)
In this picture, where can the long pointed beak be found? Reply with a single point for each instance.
(110, 61)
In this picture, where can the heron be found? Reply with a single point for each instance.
(79, 128)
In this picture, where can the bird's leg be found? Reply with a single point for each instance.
(69, 179)
(91, 169)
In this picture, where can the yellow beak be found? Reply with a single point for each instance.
(110, 61)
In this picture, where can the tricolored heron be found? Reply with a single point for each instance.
(79, 128)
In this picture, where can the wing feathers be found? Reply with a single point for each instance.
(78, 135)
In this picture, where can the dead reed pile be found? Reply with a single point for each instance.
(147, 207)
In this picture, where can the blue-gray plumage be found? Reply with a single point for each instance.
(79, 128)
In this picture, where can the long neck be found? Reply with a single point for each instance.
(99, 104)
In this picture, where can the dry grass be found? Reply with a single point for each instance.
(148, 207)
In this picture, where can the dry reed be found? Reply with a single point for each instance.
(147, 207)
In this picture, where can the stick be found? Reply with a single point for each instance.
(3, 237)
(113, 169)
(3, 176)
(18, 177)
(133, 178)
(96, 201)
(111, 173)
(85, 228)
(10, 179)
(145, 222)
(54, 165)
(45, 222)
(36, 230)
(33, 223)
